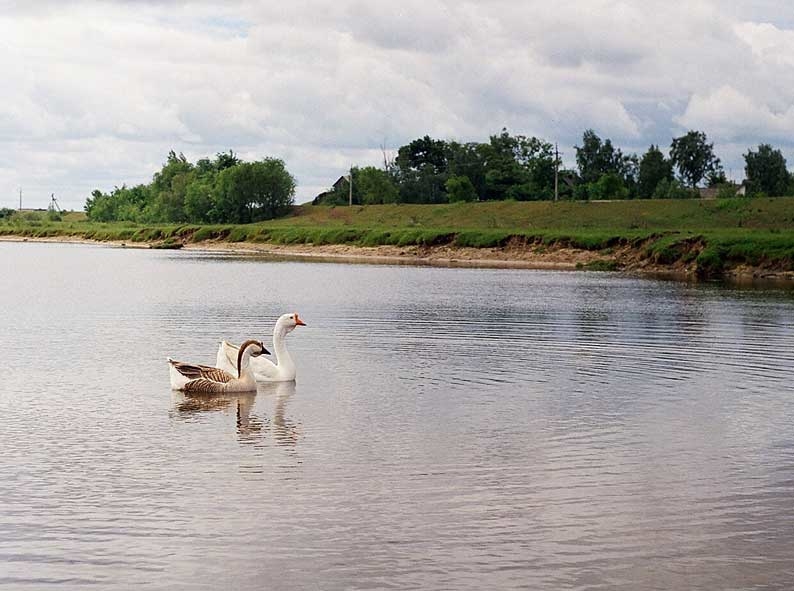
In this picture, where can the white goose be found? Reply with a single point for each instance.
(210, 380)
(283, 370)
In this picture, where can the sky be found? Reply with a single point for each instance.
(95, 94)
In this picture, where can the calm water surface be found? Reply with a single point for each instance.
(450, 428)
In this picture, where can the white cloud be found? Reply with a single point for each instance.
(771, 47)
(732, 116)
(97, 93)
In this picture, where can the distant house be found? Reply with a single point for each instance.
(569, 179)
(336, 187)
(708, 192)
(740, 190)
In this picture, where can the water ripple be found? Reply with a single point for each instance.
(449, 429)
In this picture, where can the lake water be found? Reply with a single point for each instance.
(449, 429)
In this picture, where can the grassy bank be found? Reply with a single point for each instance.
(707, 237)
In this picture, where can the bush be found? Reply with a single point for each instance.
(727, 191)
(667, 189)
(460, 188)
(608, 186)
(710, 262)
(482, 239)
(238, 234)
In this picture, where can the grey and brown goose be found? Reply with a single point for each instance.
(203, 379)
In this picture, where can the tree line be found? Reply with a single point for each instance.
(522, 168)
(515, 167)
(222, 190)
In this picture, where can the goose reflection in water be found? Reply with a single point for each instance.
(188, 405)
(285, 431)
(250, 427)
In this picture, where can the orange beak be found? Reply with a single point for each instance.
(298, 321)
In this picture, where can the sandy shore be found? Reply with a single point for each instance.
(628, 260)
(527, 258)
(524, 258)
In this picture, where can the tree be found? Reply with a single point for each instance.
(254, 191)
(766, 171)
(460, 188)
(507, 167)
(596, 159)
(168, 189)
(518, 167)
(421, 170)
(609, 186)
(200, 201)
(694, 158)
(421, 153)
(121, 204)
(100, 207)
(181, 191)
(716, 176)
(374, 185)
(224, 161)
(654, 168)
(468, 160)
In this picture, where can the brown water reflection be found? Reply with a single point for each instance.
(252, 427)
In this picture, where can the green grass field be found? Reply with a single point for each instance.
(717, 234)
(544, 215)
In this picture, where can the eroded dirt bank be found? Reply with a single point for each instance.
(634, 259)
(629, 258)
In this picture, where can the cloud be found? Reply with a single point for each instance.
(733, 116)
(411, 25)
(96, 94)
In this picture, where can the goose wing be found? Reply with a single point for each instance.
(226, 357)
(202, 372)
(202, 386)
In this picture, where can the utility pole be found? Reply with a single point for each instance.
(20, 199)
(350, 187)
(556, 172)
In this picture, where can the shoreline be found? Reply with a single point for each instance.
(626, 260)
(408, 255)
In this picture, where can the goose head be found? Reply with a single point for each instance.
(249, 349)
(256, 348)
(287, 322)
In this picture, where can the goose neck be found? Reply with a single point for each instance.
(280, 347)
(243, 359)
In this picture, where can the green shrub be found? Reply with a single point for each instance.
(238, 234)
(727, 191)
(710, 262)
(460, 188)
(483, 239)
